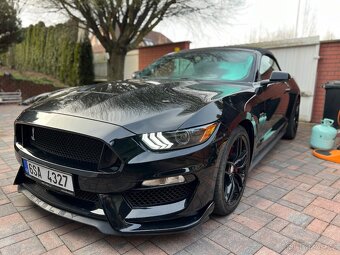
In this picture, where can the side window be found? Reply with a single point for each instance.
(268, 65)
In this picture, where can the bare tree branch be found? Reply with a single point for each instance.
(121, 25)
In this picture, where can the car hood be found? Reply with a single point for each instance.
(142, 106)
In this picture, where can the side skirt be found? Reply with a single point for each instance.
(264, 151)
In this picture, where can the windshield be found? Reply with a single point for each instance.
(223, 65)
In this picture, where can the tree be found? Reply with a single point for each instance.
(10, 26)
(120, 25)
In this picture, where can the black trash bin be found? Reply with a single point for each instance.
(332, 102)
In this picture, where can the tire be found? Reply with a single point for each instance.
(232, 172)
(293, 122)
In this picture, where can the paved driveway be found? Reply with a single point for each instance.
(291, 206)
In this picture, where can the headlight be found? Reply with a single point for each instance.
(178, 139)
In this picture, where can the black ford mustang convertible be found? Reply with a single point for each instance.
(162, 151)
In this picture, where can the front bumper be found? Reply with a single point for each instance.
(100, 197)
(105, 227)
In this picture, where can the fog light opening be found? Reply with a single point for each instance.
(164, 181)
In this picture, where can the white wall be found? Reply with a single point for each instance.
(100, 65)
(131, 63)
(301, 62)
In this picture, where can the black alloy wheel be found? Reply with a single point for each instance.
(293, 122)
(231, 178)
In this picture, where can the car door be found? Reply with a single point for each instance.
(269, 104)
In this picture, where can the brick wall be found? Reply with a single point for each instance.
(328, 70)
(27, 88)
(147, 55)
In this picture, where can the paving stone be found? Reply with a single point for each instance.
(99, 247)
(271, 239)
(290, 205)
(50, 240)
(277, 224)
(337, 198)
(304, 186)
(248, 192)
(255, 184)
(183, 252)
(332, 232)
(317, 226)
(12, 224)
(258, 202)
(296, 248)
(265, 177)
(329, 242)
(327, 204)
(241, 208)
(336, 220)
(300, 234)
(120, 244)
(68, 228)
(9, 189)
(205, 247)
(336, 185)
(258, 215)
(150, 249)
(328, 174)
(208, 226)
(174, 243)
(268, 169)
(319, 248)
(47, 223)
(242, 227)
(299, 197)
(234, 241)
(21, 200)
(61, 250)
(7, 209)
(289, 214)
(137, 240)
(324, 191)
(16, 238)
(28, 246)
(265, 251)
(285, 183)
(320, 213)
(34, 213)
(4, 200)
(81, 237)
(133, 252)
(271, 193)
(308, 179)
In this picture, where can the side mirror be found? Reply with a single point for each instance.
(278, 76)
(136, 75)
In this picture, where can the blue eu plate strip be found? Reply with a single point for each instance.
(24, 161)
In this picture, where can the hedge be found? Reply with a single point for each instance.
(54, 50)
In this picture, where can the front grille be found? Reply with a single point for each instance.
(159, 196)
(70, 149)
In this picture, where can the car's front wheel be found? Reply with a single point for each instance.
(234, 162)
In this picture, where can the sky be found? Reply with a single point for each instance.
(257, 17)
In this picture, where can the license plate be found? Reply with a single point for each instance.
(47, 175)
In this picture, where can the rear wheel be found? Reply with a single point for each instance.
(293, 122)
(233, 170)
